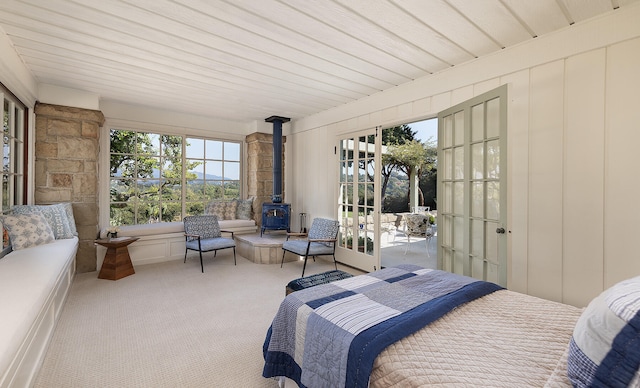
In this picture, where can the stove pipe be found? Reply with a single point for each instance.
(277, 156)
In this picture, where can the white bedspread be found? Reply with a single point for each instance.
(505, 339)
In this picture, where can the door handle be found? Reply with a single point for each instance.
(500, 230)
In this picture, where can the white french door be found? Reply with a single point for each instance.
(472, 187)
(358, 203)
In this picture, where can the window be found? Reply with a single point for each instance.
(213, 169)
(13, 150)
(161, 178)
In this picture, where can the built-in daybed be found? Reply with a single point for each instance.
(164, 241)
(35, 278)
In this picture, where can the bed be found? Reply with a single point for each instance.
(409, 326)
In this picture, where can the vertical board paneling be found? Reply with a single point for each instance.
(545, 180)
(583, 187)
(318, 186)
(622, 139)
(518, 178)
(295, 167)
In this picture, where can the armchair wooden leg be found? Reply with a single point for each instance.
(282, 262)
(201, 263)
(234, 256)
(304, 265)
(185, 255)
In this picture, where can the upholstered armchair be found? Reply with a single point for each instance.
(203, 234)
(321, 240)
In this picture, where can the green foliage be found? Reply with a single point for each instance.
(146, 180)
(405, 155)
(398, 135)
(361, 244)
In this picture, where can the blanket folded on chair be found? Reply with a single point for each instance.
(329, 335)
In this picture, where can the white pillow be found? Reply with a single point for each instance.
(27, 230)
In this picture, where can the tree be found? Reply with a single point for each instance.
(412, 156)
(146, 177)
(391, 137)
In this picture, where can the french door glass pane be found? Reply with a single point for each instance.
(458, 261)
(448, 196)
(458, 198)
(477, 161)
(447, 258)
(493, 159)
(448, 131)
(493, 201)
(458, 127)
(493, 118)
(446, 226)
(491, 242)
(447, 164)
(477, 238)
(458, 233)
(458, 169)
(477, 199)
(477, 268)
(477, 122)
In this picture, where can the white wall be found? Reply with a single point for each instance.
(574, 126)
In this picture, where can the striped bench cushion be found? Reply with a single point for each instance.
(314, 280)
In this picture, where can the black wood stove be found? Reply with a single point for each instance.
(276, 215)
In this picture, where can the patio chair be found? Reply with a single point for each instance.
(203, 234)
(321, 240)
(417, 225)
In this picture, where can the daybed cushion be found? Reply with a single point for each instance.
(230, 210)
(605, 346)
(27, 278)
(27, 230)
(244, 210)
(56, 215)
(217, 208)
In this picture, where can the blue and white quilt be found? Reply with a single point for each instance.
(330, 335)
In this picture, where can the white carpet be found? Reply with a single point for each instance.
(169, 325)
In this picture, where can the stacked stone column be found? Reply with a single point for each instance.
(66, 166)
(260, 170)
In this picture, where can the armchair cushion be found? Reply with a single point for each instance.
(299, 247)
(211, 244)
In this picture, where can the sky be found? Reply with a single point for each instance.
(426, 129)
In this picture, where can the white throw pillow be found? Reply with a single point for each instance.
(27, 230)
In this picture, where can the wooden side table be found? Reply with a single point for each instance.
(117, 262)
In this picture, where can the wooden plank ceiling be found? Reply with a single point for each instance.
(245, 60)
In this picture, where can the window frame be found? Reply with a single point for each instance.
(186, 205)
(15, 123)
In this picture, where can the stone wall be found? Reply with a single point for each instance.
(260, 170)
(66, 166)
